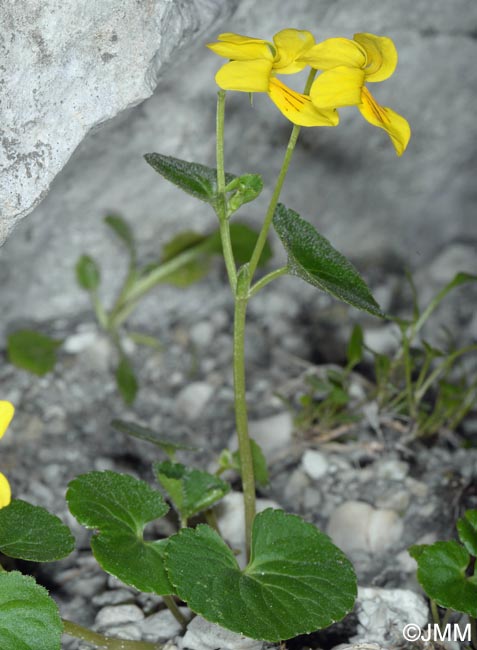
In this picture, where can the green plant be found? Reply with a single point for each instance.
(295, 579)
(447, 573)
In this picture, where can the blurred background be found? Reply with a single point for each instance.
(374, 207)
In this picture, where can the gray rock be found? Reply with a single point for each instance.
(202, 635)
(114, 615)
(192, 400)
(356, 526)
(383, 614)
(314, 464)
(333, 169)
(73, 79)
(273, 434)
(161, 626)
(113, 597)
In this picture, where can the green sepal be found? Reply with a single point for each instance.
(193, 178)
(312, 258)
(191, 490)
(244, 189)
(118, 507)
(144, 433)
(29, 618)
(30, 532)
(297, 581)
(32, 351)
(88, 274)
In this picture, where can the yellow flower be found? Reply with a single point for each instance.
(348, 65)
(6, 414)
(254, 64)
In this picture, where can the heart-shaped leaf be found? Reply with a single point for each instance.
(120, 506)
(144, 433)
(191, 490)
(29, 618)
(442, 574)
(195, 179)
(467, 529)
(31, 533)
(297, 581)
(312, 258)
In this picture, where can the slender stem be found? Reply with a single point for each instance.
(99, 310)
(435, 613)
(266, 279)
(222, 202)
(170, 603)
(262, 238)
(105, 642)
(408, 375)
(241, 419)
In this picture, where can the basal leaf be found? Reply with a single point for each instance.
(442, 574)
(191, 490)
(355, 348)
(144, 433)
(312, 258)
(126, 380)
(88, 275)
(195, 179)
(467, 529)
(297, 581)
(32, 351)
(29, 618)
(119, 506)
(31, 533)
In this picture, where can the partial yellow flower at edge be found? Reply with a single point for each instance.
(7, 411)
(5, 492)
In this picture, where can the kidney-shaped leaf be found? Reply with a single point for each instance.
(120, 506)
(195, 179)
(191, 490)
(29, 618)
(312, 258)
(31, 533)
(296, 582)
(442, 574)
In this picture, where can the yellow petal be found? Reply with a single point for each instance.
(7, 411)
(245, 76)
(298, 108)
(335, 52)
(5, 492)
(381, 56)
(395, 125)
(290, 44)
(242, 48)
(338, 87)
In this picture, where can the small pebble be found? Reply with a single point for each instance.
(314, 464)
(202, 635)
(113, 615)
(192, 400)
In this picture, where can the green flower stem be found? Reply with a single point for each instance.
(99, 310)
(435, 613)
(222, 201)
(105, 642)
(241, 419)
(262, 238)
(174, 610)
(266, 279)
